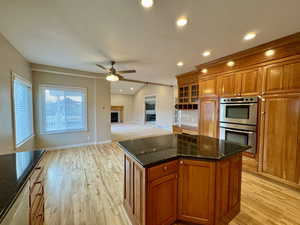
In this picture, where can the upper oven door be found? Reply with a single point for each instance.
(245, 113)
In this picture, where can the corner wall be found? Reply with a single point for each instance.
(127, 102)
(164, 101)
(10, 61)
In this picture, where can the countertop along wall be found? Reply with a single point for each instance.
(98, 106)
(165, 105)
(10, 61)
(127, 102)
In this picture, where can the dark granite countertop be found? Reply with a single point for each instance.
(154, 150)
(14, 171)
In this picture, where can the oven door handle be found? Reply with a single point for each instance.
(239, 104)
(247, 132)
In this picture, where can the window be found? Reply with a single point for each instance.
(63, 109)
(150, 109)
(22, 101)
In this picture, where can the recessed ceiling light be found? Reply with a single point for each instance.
(182, 21)
(231, 63)
(206, 53)
(249, 36)
(180, 63)
(147, 3)
(131, 89)
(269, 52)
(121, 90)
(204, 70)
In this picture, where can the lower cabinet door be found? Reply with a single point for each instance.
(162, 200)
(196, 191)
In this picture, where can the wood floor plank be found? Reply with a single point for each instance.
(84, 186)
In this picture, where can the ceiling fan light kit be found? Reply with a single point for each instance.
(112, 77)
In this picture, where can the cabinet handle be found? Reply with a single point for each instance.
(181, 162)
(165, 168)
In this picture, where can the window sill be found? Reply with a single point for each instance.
(24, 142)
(64, 132)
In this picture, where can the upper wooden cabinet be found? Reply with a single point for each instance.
(188, 94)
(280, 136)
(282, 78)
(249, 82)
(209, 117)
(208, 88)
(226, 85)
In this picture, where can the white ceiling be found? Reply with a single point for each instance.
(124, 87)
(77, 34)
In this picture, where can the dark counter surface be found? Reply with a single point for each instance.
(14, 171)
(154, 150)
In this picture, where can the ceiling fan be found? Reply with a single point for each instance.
(114, 75)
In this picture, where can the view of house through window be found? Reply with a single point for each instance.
(23, 119)
(63, 109)
(150, 109)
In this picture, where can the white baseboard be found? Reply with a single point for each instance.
(77, 145)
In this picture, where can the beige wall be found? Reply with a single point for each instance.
(98, 97)
(127, 102)
(10, 61)
(165, 105)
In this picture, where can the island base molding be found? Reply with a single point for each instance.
(186, 190)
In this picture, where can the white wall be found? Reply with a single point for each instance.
(164, 101)
(98, 106)
(10, 61)
(127, 102)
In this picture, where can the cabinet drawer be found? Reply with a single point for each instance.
(162, 170)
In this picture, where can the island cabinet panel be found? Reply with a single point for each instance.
(228, 191)
(280, 136)
(209, 117)
(208, 88)
(196, 191)
(162, 200)
(134, 191)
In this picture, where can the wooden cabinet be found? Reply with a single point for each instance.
(196, 191)
(209, 117)
(134, 191)
(188, 94)
(208, 88)
(280, 137)
(163, 200)
(226, 85)
(249, 82)
(282, 78)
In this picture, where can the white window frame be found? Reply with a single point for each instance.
(28, 84)
(42, 102)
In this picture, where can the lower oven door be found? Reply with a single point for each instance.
(242, 137)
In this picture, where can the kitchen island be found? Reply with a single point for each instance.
(178, 177)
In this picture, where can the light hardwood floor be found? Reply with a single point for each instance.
(84, 186)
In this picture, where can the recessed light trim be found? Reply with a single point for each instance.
(249, 36)
(131, 88)
(230, 63)
(147, 3)
(206, 53)
(180, 64)
(204, 70)
(121, 90)
(270, 52)
(182, 21)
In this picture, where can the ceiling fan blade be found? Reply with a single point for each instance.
(127, 71)
(102, 67)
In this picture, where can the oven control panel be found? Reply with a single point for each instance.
(239, 100)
